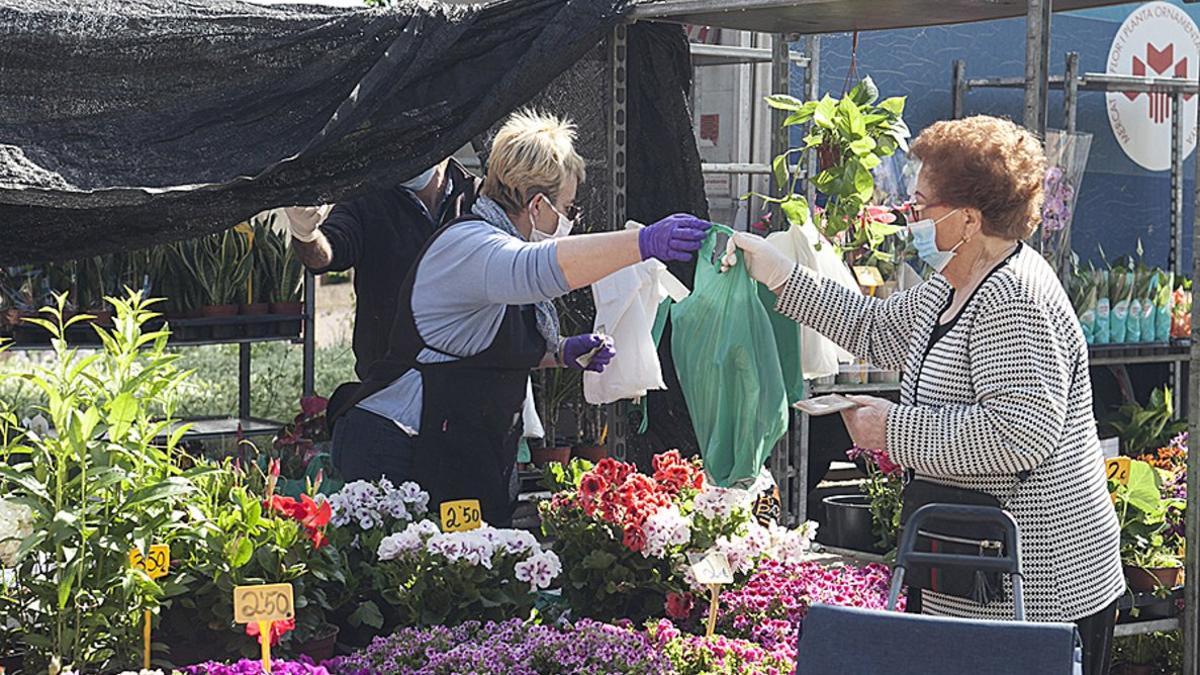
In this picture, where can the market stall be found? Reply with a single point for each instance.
(629, 554)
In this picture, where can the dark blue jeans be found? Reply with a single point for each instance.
(367, 446)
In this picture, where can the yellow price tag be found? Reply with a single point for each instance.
(266, 602)
(1117, 468)
(461, 515)
(155, 564)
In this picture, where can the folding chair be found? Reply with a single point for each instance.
(852, 641)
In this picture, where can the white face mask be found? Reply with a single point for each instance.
(564, 227)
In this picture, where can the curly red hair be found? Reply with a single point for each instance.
(986, 163)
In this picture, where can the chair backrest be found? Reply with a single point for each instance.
(852, 641)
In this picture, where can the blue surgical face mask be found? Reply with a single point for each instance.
(924, 238)
(420, 181)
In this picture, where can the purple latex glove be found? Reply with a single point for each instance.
(675, 238)
(577, 349)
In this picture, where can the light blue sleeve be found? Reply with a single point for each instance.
(467, 278)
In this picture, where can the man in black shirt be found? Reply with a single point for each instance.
(380, 235)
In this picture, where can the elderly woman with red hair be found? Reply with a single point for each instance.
(996, 396)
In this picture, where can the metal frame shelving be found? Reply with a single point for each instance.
(218, 427)
(812, 17)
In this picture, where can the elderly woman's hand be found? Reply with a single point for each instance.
(867, 423)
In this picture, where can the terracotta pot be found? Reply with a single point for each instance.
(1148, 580)
(543, 456)
(209, 311)
(104, 317)
(592, 453)
(290, 326)
(321, 647)
(254, 309)
(256, 328)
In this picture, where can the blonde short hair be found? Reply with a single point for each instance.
(532, 153)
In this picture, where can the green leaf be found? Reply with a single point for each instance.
(67, 582)
(367, 614)
(863, 145)
(870, 161)
(170, 487)
(795, 209)
(865, 93)
(598, 560)
(780, 169)
(824, 113)
(799, 117)
(894, 105)
(242, 554)
(784, 102)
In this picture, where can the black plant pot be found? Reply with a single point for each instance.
(848, 522)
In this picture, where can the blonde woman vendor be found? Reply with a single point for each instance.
(476, 317)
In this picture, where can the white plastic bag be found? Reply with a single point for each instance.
(626, 304)
(821, 356)
(529, 416)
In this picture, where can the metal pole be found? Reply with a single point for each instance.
(1071, 92)
(310, 332)
(243, 380)
(1037, 48)
(617, 129)
(1191, 588)
(780, 84)
(812, 90)
(958, 88)
(1174, 254)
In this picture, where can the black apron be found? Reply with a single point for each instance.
(471, 406)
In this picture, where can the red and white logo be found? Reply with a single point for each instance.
(1158, 40)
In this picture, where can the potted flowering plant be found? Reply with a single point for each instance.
(299, 448)
(433, 578)
(1148, 548)
(869, 520)
(253, 535)
(623, 536)
(853, 135)
(364, 513)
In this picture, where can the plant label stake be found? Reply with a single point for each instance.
(711, 569)
(263, 604)
(461, 515)
(1117, 468)
(868, 277)
(155, 565)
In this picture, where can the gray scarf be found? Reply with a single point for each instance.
(547, 315)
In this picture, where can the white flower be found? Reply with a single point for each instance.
(16, 523)
(372, 505)
(474, 547)
(665, 529)
(540, 570)
(413, 538)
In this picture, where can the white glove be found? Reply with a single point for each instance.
(765, 263)
(303, 221)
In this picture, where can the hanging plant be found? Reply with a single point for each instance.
(851, 136)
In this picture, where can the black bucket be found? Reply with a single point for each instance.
(848, 522)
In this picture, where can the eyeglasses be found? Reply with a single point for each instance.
(918, 210)
(573, 211)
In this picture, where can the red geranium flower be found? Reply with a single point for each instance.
(634, 539)
(612, 471)
(278, 630)
(592, 485)
(679, 605)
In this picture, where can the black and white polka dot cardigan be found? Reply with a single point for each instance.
(1007, 389)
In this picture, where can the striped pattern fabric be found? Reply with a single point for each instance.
(1007, 389)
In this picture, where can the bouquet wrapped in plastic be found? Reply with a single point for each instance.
(1120, 294)
(1103, 308)
(1066, 155)
(1163, 297)
(1083, 299)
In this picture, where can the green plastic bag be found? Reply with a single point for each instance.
(728, 366)
(788, 340)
